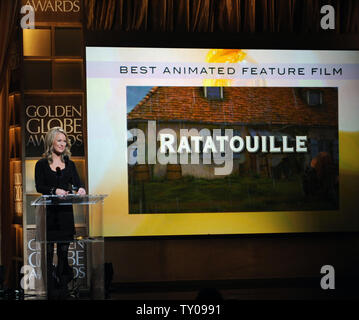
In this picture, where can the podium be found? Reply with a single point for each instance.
(84, 276)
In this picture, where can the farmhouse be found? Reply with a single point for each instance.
(249, 111)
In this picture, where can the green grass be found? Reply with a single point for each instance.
(231, 194)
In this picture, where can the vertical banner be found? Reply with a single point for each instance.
(77, 258)
(45, 112)
(55, 10)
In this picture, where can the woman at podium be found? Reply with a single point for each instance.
(56, 174)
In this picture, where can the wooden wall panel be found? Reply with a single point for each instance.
(245, 257)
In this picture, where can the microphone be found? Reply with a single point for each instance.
(58, 171)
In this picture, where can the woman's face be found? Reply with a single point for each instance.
(59, 143)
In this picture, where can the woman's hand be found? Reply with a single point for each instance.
(61, 192)
(81, 191)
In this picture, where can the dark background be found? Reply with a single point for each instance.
(258, 266)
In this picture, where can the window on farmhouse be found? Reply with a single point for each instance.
(213, 93)
(314, 97)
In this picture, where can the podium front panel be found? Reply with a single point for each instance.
(86, 248)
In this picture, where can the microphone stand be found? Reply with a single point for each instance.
(58, 175)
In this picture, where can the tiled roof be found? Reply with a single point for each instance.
(240, 105)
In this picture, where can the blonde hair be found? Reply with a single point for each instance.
(49, 144)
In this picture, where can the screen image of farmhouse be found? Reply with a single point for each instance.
(232, 149)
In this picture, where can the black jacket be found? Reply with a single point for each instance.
(59, 219)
